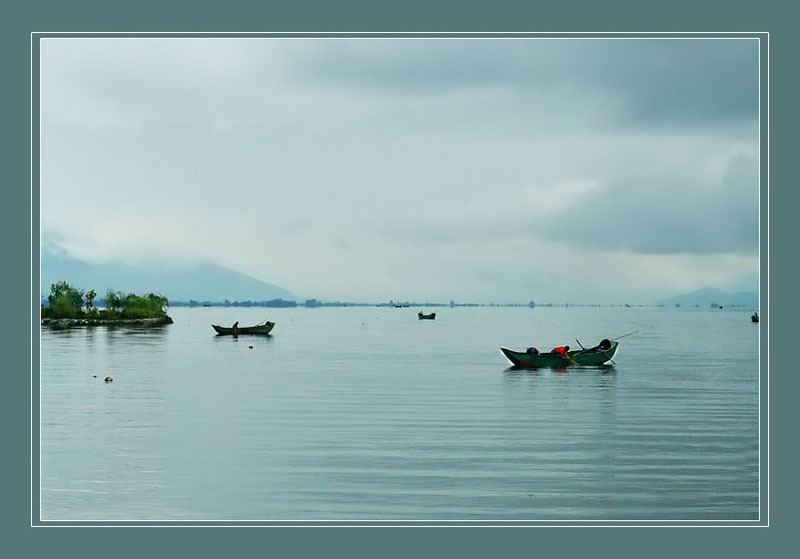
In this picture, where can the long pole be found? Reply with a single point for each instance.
(624, 335)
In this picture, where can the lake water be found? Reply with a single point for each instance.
(366, 413)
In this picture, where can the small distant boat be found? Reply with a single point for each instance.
(262, 328)
(426, 316)
(755, 318)
(590, 356)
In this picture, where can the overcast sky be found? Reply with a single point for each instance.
(474, 170)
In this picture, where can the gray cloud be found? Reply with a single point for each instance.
(666, 212)
(659, 81)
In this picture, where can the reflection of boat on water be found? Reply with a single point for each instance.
(430, 316)
(597, 355)
(755, 318)
(262, 328)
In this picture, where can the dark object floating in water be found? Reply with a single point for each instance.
(263, 328)
(754, 318)
(597, 355)
(108, 379)
(426, 316)
(251, 347)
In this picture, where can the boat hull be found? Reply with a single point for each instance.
(431, 316)
(261, 329)
(546, 360)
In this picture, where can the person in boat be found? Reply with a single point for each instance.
(604, 345)
(235, 328)
(561, 351)
(532, 351)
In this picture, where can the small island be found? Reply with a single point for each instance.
(68, 306)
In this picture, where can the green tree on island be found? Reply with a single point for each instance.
(90, 295)
(66, 301)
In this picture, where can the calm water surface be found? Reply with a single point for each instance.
(369, 414)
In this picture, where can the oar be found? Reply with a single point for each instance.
(583, 349)
(571, 361)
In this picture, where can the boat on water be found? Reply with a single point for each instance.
(597, 355)
(261, 328)
(755, 318)
(430, 316)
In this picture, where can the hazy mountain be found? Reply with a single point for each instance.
(708, 296)
(201, 282)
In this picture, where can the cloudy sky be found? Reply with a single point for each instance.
(475, 170)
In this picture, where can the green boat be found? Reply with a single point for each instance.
(582, 357)
(263, 328)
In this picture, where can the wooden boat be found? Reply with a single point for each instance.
(262, 328)
(589, 356)
(426, 316)
(754, 318)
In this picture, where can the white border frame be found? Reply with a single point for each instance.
(400, 35)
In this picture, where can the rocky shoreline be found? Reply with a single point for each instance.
(72, 322)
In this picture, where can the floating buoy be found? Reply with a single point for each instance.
(108, 379)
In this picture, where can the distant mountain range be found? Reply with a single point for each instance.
(709, 296)
(211, 282)
(201, 282)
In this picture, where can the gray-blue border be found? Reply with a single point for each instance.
(20, 19)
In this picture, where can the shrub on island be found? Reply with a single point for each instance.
(66, 301)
